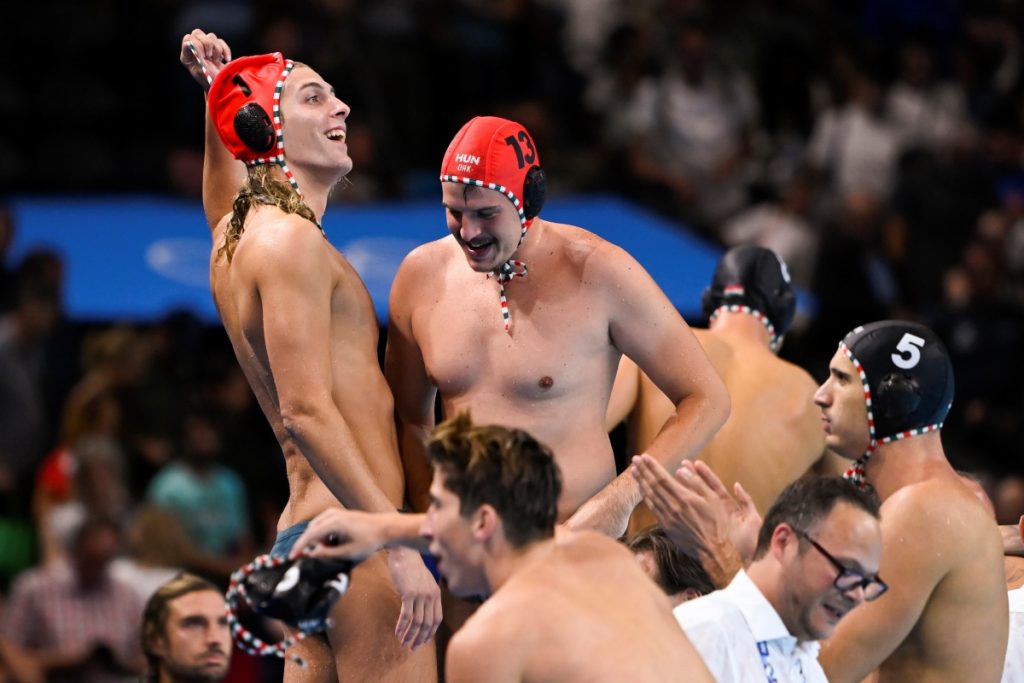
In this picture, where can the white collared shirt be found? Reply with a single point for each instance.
(1013, 672)
(742, 639)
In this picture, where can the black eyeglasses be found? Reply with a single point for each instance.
(848, 579)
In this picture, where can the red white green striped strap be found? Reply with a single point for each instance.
(511, 269)
(245, 639)
(856, 473)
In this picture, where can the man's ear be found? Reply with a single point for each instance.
(157, 645)
(782, 538)
(485, 522)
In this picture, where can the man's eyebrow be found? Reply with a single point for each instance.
(318, 86)
(468, 209)
(853, 565)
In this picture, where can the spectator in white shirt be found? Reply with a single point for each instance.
(817, 558)
(1013, 670)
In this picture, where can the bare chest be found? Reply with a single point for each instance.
(558, 341)
(244, 309)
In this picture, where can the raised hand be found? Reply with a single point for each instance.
(696, 516)
(203, 54)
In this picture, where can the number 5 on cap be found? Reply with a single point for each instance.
(909, 351)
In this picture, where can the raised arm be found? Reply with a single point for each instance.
(412, 388)
(911, 566)
(203, 54)
(647, 328)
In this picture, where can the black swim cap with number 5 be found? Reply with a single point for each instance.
(907, 376)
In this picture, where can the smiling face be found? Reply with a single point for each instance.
(453, 542)
(196, 642)
(844, 411)
(484, 223)
(313, 123)
(810, 604)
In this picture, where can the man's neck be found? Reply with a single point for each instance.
(529, 250)
(314, 188)
(506, 562)
(907, 461)
(767, 576)
(741, 325)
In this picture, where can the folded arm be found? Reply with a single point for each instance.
(647, 328)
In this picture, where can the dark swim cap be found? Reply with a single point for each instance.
(907, 378)
(752, 279)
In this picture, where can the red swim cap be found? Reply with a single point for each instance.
(498, 154)
(244, 103)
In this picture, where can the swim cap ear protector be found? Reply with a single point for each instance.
(498, 154)
(907, 377)
(757, 279)
(245, 107)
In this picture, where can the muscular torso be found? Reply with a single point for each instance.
(589, 613)
(551, 375)
(773, 434)
(358, 388)
(961, 634)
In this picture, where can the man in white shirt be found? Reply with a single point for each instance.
(1013, 670)
(817, 558)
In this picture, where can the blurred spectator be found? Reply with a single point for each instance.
(248, 445)
(23, 428)
(156, 550)
(854, 280)
(6, 272)
(854, 145)
(89, 476)
(208, 499)
(17, 665)
(691, 128)
(782, 225)
(1008, 500)
(927, 112)
(81, 623)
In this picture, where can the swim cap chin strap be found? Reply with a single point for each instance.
(511, 269)
(857, 472)
(506, 273)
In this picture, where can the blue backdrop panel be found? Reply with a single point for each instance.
(137, 258)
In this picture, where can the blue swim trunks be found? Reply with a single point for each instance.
(286, 539)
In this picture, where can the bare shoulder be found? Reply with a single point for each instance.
(496, 638)
(271, 233)
(585, 247)
(427, 259)
(591, 544)
(940, 510)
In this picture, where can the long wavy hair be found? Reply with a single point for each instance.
(261, 188)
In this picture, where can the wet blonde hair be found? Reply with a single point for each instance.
(261, 188)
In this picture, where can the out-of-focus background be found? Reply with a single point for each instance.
(878, 146)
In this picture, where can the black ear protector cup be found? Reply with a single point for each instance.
(898, 396)
(253, 127)
(534, 192)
